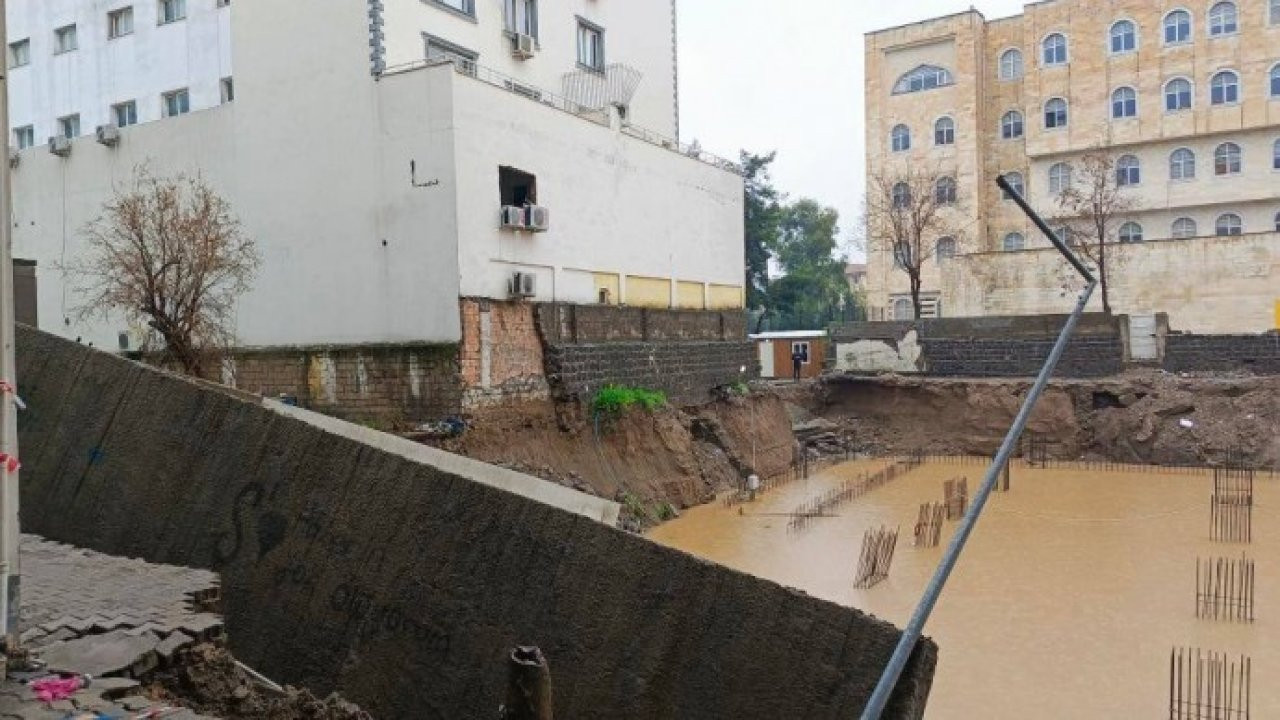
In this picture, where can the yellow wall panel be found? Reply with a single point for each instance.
(725, 297)
(612, 282)
(690, 295)
(648, 291)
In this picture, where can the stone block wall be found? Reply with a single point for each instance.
(1258, 354)
(612, 323)
(402, 584)
(686, 372)
(1083, 357)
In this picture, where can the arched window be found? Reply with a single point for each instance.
(1278, 222)
(900, 138)
(1055, 114)
(1275, 12)
(1131, 232)
(1124, 103)
(1011, 64)
(1059, 178)
(1124, 37)
(1275, 156)
(944, 191)
(902, 309)
(944, 131)
(1177, 27)
(925, 77)
(1229, 224)
(1177, 95)
(1275, 78)
(1184, 228)
(901, 195)
(1055, 49)
(1227, 159)
(1011, 125)
(1182, 164)
(1223, 19)
(946, 248)
(1014, 241)
(1128, 171)
(1224, 89)
(902, 256)
(1015, 181)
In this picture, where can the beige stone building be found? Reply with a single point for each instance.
(1185, 97)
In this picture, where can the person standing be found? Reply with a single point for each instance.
(797, 359)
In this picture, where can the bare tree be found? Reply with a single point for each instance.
(168, 253)
(913, 215)
(1092, 203)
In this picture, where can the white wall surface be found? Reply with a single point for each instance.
(194, 53)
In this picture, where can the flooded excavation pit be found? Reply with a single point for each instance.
(1084, 592)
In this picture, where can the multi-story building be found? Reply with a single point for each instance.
(1185, 99)
(397, 161)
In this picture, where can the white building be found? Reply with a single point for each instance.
(371, 171)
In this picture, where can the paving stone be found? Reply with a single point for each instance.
(172, 644)
(100, 655)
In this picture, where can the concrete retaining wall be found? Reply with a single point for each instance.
(685, 371)
(1258, 354)
(401, 584)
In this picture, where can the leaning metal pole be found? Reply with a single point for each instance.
(915, 627)
(8, 393)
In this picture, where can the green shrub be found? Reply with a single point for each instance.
(614, 399)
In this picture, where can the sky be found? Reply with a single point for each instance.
(762, 75)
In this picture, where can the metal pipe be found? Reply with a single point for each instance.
(9, 537)
(915, 627)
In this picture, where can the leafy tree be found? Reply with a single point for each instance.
(813, 287)
(763, 212)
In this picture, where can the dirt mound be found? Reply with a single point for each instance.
(206, 679)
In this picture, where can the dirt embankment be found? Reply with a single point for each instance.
(655, 463)
(1141, 417)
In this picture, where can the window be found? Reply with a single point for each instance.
(1014, 241)
(227, 89)
(944, 191)
(1229, 224)
(1131, 232)
(1275, 155)
(944, 131)
(925, 77)
(1011, 125)
(466, 7)
(1011, 64)
(902, 309)
(172, 11)
(1223, 19)
(902, 256)
(1177, 27)
(901, 195)
(69, 126)
(64, 39)
(801, 349)
(24, 137)
(946, 248)
(1124, 37)
(1055, 49)
(1227, 159)
(1128, 171)
(900, 138)
(1224, 89)
(19, 53)
(1065, 236)
(223, 3)
(1274, 15)
(1177, 95)
(1015, 181)
(522, 16)
(590, 46)
(1278, 222)
(463, 60)
(1184, 228)
(125, 114)
(1275, 80)
(1182, 164)
(1124, 103)
(1055, 114)
(174, 103)
(517, 188)
(1059, 178)
(119, 23)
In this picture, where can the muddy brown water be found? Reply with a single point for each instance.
(1072, 591)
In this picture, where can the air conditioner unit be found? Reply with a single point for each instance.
(109, 135)
(513, 218)
(539, 218)
(14, 157)
(60, 146)
(523, 46)
(523, 284)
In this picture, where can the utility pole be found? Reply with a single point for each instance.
(9, 536)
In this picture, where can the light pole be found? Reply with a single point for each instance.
(9, 577)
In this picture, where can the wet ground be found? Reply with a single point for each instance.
(1072, 592)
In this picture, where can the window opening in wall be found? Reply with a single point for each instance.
(903, 256)
(1274, 15)
(125, 114)
(516, 187)
(1011, 64)
(1128, 171)
(24, 137)
(1124, 103)
(69, 126)
(1182, 164)
(1015, 181)
(64, 39)
(1124, 37)
(1177, 27)
(463, 59)
(19, 53)
(925, 77)
(1275, 81)
(1014, 241)
(1059, 178)
(944, 131)
(1227, 159)
(177, 102)
(1229, 224)
(1177, 95)
(902, 309)
(1130, 232)
(1278, 222)
(1275, 155)
(901, 195)
(590, 45)
(801, 349)
(1011, 125)
(1184, 228)
(900, 138)
(120, 23)
(946, 248)
(467, 7)
(172, 11)
(1065, 235)
(1055, 49)
(945, 191)
(1224, 89)
(521, 16)
(1223, 19)
(227, 89)
(1055, 114)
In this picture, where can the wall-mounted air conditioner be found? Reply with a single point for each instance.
(109, 135)
(14, 157)
(512, 218)
(60, 146)
(538, 218)
(522, 285)
(523, 46)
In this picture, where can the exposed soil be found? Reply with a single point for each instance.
(206, 679)
(1149, 417)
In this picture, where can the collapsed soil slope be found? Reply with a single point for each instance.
(1141, 417)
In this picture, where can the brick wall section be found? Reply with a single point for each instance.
(1084, 357)
(685, 371)
(1259, 354)
(611, 323)
(513, 353)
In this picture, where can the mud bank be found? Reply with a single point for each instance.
(1148, 417)
(656, 463)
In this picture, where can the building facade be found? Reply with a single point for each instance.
(1185, 99)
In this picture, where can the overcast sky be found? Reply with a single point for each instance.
(762, 75)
